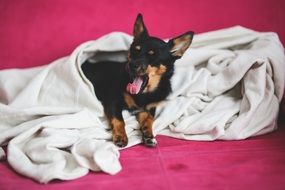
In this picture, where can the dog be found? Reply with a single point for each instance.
(139, 84)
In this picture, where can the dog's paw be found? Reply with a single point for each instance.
(150, 142)
(120, 140)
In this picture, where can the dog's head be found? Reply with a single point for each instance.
(151, 58)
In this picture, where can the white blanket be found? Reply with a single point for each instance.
(228, 86)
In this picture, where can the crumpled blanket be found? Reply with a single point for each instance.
(228, 86)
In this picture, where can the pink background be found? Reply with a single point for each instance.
(35, 32)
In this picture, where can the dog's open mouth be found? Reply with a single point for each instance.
(138, 84)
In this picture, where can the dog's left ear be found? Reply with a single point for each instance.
(140, 30)
(180, 44)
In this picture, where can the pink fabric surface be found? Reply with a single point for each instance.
(37, 32)
(255, 163)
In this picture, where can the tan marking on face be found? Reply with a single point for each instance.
(150, 52)
(154, 75)
(129, 100)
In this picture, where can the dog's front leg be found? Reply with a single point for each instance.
(114, 115)
(145, 120)
(119, 133)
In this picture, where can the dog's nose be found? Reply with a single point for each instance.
(137, 67)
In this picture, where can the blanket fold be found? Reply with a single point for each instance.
(227, 86)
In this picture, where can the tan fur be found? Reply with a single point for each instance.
(154, 74)
(129, 100)
(142, 117)
(150, 52)
(145, 120)
(118, 129)
(117, 124)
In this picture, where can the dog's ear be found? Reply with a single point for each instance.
(140, 30)
(180, 44)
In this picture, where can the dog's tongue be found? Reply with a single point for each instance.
(135, 86)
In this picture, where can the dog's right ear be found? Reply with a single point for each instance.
(140, 30)
(180, 44)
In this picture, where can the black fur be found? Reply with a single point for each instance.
(110, 79)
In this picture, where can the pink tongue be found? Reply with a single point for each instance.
(135, 87)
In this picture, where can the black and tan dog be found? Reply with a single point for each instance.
(139, 84)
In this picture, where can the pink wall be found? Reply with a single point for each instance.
(36, 32)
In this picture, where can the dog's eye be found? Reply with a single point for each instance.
(138, 48)
(150, 52)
